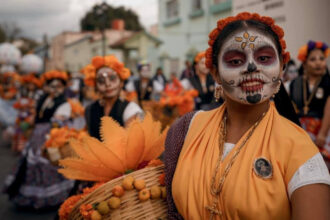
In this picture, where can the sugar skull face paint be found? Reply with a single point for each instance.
(108, 82)
(249, 66)
(56, 88)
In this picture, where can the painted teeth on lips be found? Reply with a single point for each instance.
(251, 85)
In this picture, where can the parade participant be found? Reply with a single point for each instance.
(159, 77)
(243, 160)
(201, 81)
(108, 75)
(31, 85)
(35, 183)
(145, 88)
(310, 92)
(289, 74)
(188, 71)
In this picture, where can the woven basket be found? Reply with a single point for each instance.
(131, 207)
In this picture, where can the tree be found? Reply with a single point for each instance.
(101, 16)
(11, 30)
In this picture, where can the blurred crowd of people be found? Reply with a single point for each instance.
(32, 105)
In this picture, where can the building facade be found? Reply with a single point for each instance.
(183, 28)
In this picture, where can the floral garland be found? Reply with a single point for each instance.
(245, 16)
(311, 45)
(31, 78)
(54, 74)
(77, 108)
(108, 61)
(58, 137)
(199, 56)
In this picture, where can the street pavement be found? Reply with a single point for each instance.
(7, 210)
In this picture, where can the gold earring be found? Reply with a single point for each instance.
(217, 93)
(277, 89)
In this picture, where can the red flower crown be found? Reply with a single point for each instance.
(199, 56)
(54, 74)
(107, 61)
(221, 24)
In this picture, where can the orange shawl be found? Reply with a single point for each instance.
(245, 195)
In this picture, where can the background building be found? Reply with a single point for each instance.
(184, 26)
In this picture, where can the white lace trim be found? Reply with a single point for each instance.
(312, 172)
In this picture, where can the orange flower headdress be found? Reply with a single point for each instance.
(245, 16)
(54, 74)
(108, 61)
(14, 76)
(199, 56)
(311, 45)
(31, 78)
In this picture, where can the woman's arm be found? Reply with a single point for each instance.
(322, 135)
(311, 202)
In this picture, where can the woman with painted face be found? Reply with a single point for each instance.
(244, 160)
(310, 93)
(202, 81)
(35, 183)
(108, 75)
(289, 74)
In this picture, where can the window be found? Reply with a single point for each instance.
(219, 1)
(196, 5)
(172, 10)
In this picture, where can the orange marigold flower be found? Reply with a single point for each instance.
(154, 163)
(67, 207)
(243, 16)
(286, 57)
(278, 30)
(318, 44)
(283, 44)
(267, 20)
(214, 34)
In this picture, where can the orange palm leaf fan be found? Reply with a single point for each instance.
(121, 150)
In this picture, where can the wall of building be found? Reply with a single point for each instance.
(188, 33)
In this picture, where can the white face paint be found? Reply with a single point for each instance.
(56, 88)
(249, 66)
(202, 67)
(145, 71)
(108, 82)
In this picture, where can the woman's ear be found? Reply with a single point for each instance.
(215, 74)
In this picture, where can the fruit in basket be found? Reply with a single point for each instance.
(103, 208)
(118, 191)
(155, 192)
(144, 195)
(114, 202)
(96, 215)
(139, 184)
(164, 193)
(128, 183)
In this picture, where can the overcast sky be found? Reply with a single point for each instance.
(36, 17)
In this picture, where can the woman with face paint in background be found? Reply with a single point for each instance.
(108, 75)
(36, 184)
(202, 81)
(244, 160)
(310, 93)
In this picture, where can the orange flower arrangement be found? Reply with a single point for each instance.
(69, 203)
(31, 78)
(11, 75)
(108, 61)
(184, 100)
(199, 56)
(303, 51)
(54, 74)
(24, 103)
(222, 23)
(77, 108)
(120, 150)
(58, 137)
